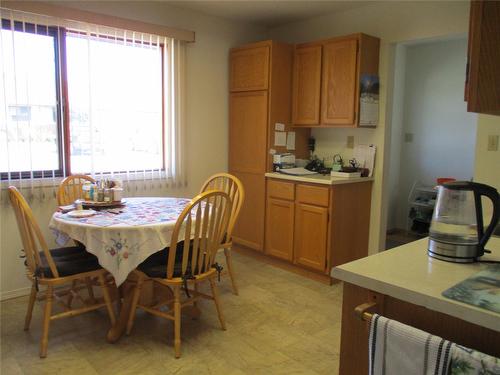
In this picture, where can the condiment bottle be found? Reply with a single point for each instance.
(108, 195)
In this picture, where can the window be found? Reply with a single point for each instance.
(120, 84)
(112, 89)
(31, 101)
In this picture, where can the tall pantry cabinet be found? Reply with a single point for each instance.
(260, 83)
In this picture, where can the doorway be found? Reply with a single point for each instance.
(432, 134)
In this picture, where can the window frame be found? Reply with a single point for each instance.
(63, 104)
(53, 32)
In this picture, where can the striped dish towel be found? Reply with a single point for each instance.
(396, 349)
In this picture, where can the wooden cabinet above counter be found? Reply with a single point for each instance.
(326, 80)
(260, 87)
(482, 85)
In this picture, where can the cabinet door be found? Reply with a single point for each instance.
(247, 132)
(306, 85)
(279, 228)
(249, 69)
(338, 94)
(482, 86)
(249, 228)
(311, 228)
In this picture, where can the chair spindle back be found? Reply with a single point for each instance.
(71, 188)
(31, 235)
(232, 186)
(202, 226)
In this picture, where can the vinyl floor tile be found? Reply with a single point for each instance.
(281, 323)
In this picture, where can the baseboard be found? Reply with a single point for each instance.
(15, 293)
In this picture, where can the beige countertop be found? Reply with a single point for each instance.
(318, 179)
(408, 274)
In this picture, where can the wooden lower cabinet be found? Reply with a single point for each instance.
(355, 332)
(311, 228)
(305, 223)
(279, 228)
(249, 229)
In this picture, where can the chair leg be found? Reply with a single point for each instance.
(215, 295)
(107, 299)
(177, 321)
(70, 294)
(90, 290)
(230, 270)
(46, 322)
(133, 306)
(31, 303)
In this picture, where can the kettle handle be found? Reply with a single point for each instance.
(492, 194)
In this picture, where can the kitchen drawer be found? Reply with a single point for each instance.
(316, 195)
(282, 190)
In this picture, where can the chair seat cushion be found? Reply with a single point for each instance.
(69, 261)
(156, 264)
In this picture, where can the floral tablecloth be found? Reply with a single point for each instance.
(121, 241)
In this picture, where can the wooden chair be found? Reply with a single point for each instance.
(198, 233)
(234, 188)
(70, 189)
(55, 268)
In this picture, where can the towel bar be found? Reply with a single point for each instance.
(362, 311)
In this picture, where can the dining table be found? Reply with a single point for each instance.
(121, 238)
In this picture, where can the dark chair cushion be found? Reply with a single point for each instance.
(156, 264)
(69, 261)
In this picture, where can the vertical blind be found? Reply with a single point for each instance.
(109, 87)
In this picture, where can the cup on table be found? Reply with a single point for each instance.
(117, 194)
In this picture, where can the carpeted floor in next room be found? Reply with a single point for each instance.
(281, 323)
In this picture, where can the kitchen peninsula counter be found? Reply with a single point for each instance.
(406, 285)
(409, 274)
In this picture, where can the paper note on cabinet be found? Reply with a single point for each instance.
(279, 126)
(290, 141)
(280, 138)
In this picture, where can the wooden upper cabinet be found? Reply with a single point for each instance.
(306, 85)
(248, 131)
(482, 86)
(339, 83)
(249, 69)
(327, 76)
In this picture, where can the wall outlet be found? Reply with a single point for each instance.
(408, 137)
(492, 142)
(350, 141)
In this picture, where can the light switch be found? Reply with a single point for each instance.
(492, 142)
(350, 141)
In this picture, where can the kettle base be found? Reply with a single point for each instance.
(453, 252)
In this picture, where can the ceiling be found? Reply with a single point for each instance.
(268, 13)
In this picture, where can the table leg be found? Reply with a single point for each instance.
(117, 331)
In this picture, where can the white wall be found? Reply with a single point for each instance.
(487, 163)
(392, 22)
(435, 113)
(395, 138)
(206, 114)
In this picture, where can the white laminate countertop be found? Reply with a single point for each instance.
(409, 274)
(319, 179)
